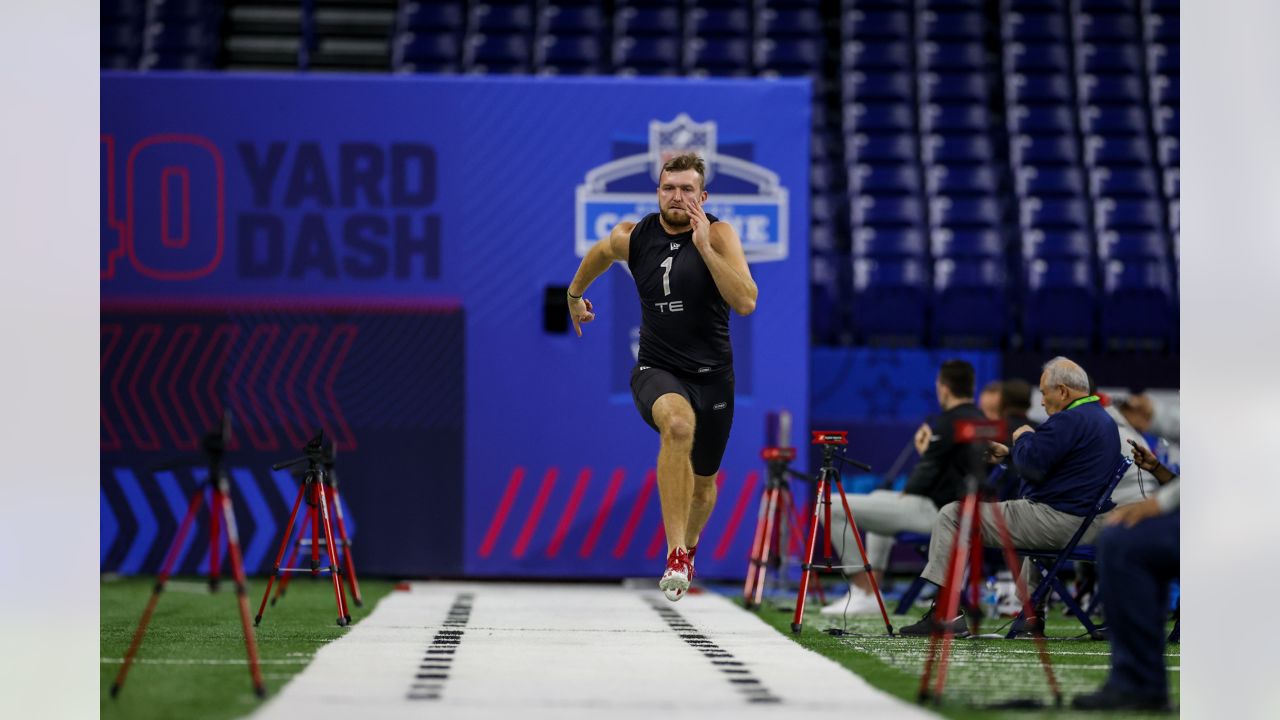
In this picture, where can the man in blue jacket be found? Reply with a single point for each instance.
(1064, 465)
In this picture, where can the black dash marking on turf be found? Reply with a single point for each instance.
(433, 671)
(736, 672)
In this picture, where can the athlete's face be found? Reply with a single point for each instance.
(677, 192)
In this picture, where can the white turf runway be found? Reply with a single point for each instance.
(490, 650)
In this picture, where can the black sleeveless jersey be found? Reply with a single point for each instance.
(684, 326)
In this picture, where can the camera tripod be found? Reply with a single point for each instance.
(968, 541)
(344, 542)
(312, 489)
(828, 475)
(777, 515)
(214, 446)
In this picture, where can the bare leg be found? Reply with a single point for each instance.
(674, 417)
(704, 500)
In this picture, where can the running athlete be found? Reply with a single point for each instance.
(689, 270)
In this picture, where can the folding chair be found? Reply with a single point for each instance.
(1050, 562)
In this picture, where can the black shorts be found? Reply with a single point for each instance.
(712, 404)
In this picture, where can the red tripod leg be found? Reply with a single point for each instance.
(346, 550)
(316, 497)
(339, 593)
(826, 523)
(237, 571)
(976, 550)
(789, 504)
(284, 543)
(762, 568)
(1028, 612)
(951, 605)
(287, 577)
(806, 566)
(215, 536)
(753, 562)
(165, 570)
(862, 552)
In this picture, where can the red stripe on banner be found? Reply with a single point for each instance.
(535, 515)
(739, 508)
(570, 510)
(500, 516)
(637, 510)
(602, 514)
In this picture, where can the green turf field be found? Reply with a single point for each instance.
(192, 662)
(981, 671)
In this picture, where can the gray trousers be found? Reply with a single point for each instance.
(1032, 525)
(881, 515)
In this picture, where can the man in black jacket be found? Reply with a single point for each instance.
(936, 480)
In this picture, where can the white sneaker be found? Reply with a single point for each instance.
(857, 602)
(675, 581)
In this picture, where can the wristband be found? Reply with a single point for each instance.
(571, 295)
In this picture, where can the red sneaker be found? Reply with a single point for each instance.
(675, 581)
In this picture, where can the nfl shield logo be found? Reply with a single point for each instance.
(666, 140)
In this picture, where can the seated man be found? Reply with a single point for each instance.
(935, 481)
(1138, 556)
(1064, 465)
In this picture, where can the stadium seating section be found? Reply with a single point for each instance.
(984, 172)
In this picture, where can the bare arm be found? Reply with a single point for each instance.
(604, 253)
(722, 252)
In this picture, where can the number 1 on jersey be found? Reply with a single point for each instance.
(666, 275)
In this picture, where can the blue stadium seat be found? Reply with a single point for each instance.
(706, 22)
(718, 54)
(494, 19)
(435, 16)
(969, 301)
(826, 282)
(885, 210)
(961, 180)
(429, 49)
(1031, 6)
(1131, 245)
(1043, 89)
(181, 35)
(953, 87)
(1128, 214)
(1169, 154)
(1110, 89)
(1056, 244)
(889, 299)
(1108, 6)
(1110, 58)
(826, 209)
(1048, 181)
(1161, 28)
(1163, 59)
(1103, 150)
(1038, 28)
(1050, 150)
(783, 21)
(1123, 182)
(122, 9)
(880, 147)
(1061, 213)
(1137, 302)
(949, 149)
(1167, 120)
(1035, 58)
(822, 240)
(1165, 89)
(964, 211)
(1113, 120)
(888, 243)
(1175, 222)
(1060, 301)
(496, 53)
(860, 24)
(647, 52)
(789, 55)
(870, 86)
(951, 117)
(967, 243)
(197, 60)
(664, 21)
(890, 179)
(120, 38)
(865, 117)
(952, 25)
(1107, 28)
(568, 53)
(860, 55)
(1042, 119)
(1172, 182)
(950, 4)
(952, 57)
(571, 19)
(822, 174)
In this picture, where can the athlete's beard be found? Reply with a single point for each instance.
(675, 218)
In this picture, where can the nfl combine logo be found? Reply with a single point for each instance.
(746, 195)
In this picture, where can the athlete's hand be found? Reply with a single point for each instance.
(580, 311)
(701, 225)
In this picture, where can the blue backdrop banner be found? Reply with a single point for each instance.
(345, 253)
